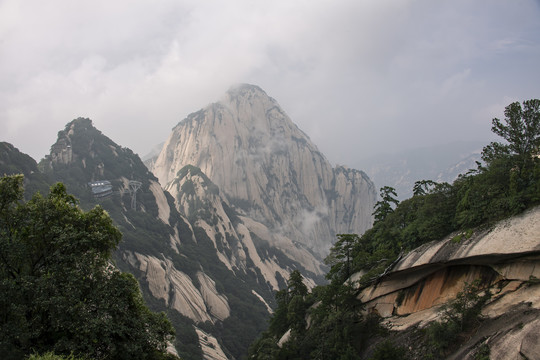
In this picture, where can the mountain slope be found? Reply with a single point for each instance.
(12, 161)
(174, 260)
(268, 170)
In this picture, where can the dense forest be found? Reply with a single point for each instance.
(328, 322)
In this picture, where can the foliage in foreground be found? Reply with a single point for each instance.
(326, 323)
(458, 316)
(58, 290)
(52, 356)
(388, 351)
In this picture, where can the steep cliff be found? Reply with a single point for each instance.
(242, 244)
(268, 170)
(505, 259)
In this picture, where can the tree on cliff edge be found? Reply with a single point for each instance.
(58, 289)
(520, 129)
(385, 206)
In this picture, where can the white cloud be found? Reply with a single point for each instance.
(358, 77)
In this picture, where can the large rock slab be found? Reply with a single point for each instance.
(511, 248)
(177, 290)
(505, 258)
(513, 237)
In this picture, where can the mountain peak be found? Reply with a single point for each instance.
(80, 124)
(81, 145)
(268, 169)
(244, 98)
(245, 89)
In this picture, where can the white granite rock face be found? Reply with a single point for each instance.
(217, 304)
(210, 346)
(178, 291)
(268, 169)
(200, 201)
(510, 251)
(518, 235)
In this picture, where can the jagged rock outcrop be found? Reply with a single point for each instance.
(268, 170)
(506, 260)
(242, 244)
(200, 201)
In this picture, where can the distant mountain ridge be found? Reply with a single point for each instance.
(441, 163)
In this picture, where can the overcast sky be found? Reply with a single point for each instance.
(359, 77)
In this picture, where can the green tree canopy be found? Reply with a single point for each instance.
(520, 129)
(296, 285)
(59, 291)
(340, 258)
(388, 201)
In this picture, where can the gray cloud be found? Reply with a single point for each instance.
(359, 77)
